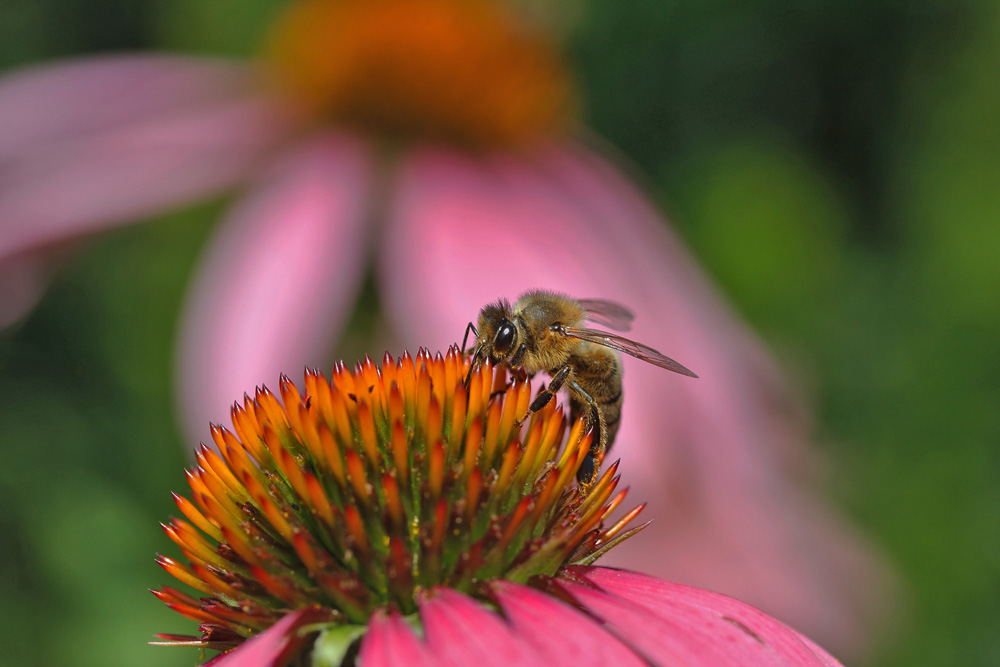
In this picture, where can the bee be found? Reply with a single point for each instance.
(545, 331)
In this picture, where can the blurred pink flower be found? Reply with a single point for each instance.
(91, 144)
(626, 619)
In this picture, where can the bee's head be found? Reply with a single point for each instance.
(497, 333)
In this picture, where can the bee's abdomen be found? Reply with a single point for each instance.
(599, 373)
(610, 405)
(612, 410)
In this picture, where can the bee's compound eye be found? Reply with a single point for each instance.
(504, 339)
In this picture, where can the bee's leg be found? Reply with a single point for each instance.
(501, 392)
(546, 394)
(465, 339)
(518, 356)
(587, 472)
(472, 364)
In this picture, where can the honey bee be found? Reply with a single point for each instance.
(544, 331)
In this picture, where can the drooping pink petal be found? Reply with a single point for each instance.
(558, 633)
(753, 529)
(89, 144)
(710, 455)
(463, 231)
(674, 624)
(55, 101)
(390, 642)
(277, 279)
(657, 593)
(274, 647)
(461, 631)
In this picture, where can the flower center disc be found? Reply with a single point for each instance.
(360, 492)
(465, 71)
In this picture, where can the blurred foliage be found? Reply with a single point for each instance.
(834, 165)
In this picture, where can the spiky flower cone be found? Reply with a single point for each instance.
(358, 494)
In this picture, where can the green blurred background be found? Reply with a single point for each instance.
(835, 165)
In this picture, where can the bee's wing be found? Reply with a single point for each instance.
(622, 344)
(608, 313)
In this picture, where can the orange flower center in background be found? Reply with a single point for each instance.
(465, 71)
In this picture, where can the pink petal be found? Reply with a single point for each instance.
(714, 456)
(463, 232)
(557, 632)
(90, 144)
(274, 647)
(277, 279)
(685, 625)
(53, 101)
(461, 631)
(390, 642)
(753, 529)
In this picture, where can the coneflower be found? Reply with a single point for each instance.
(393, 515)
